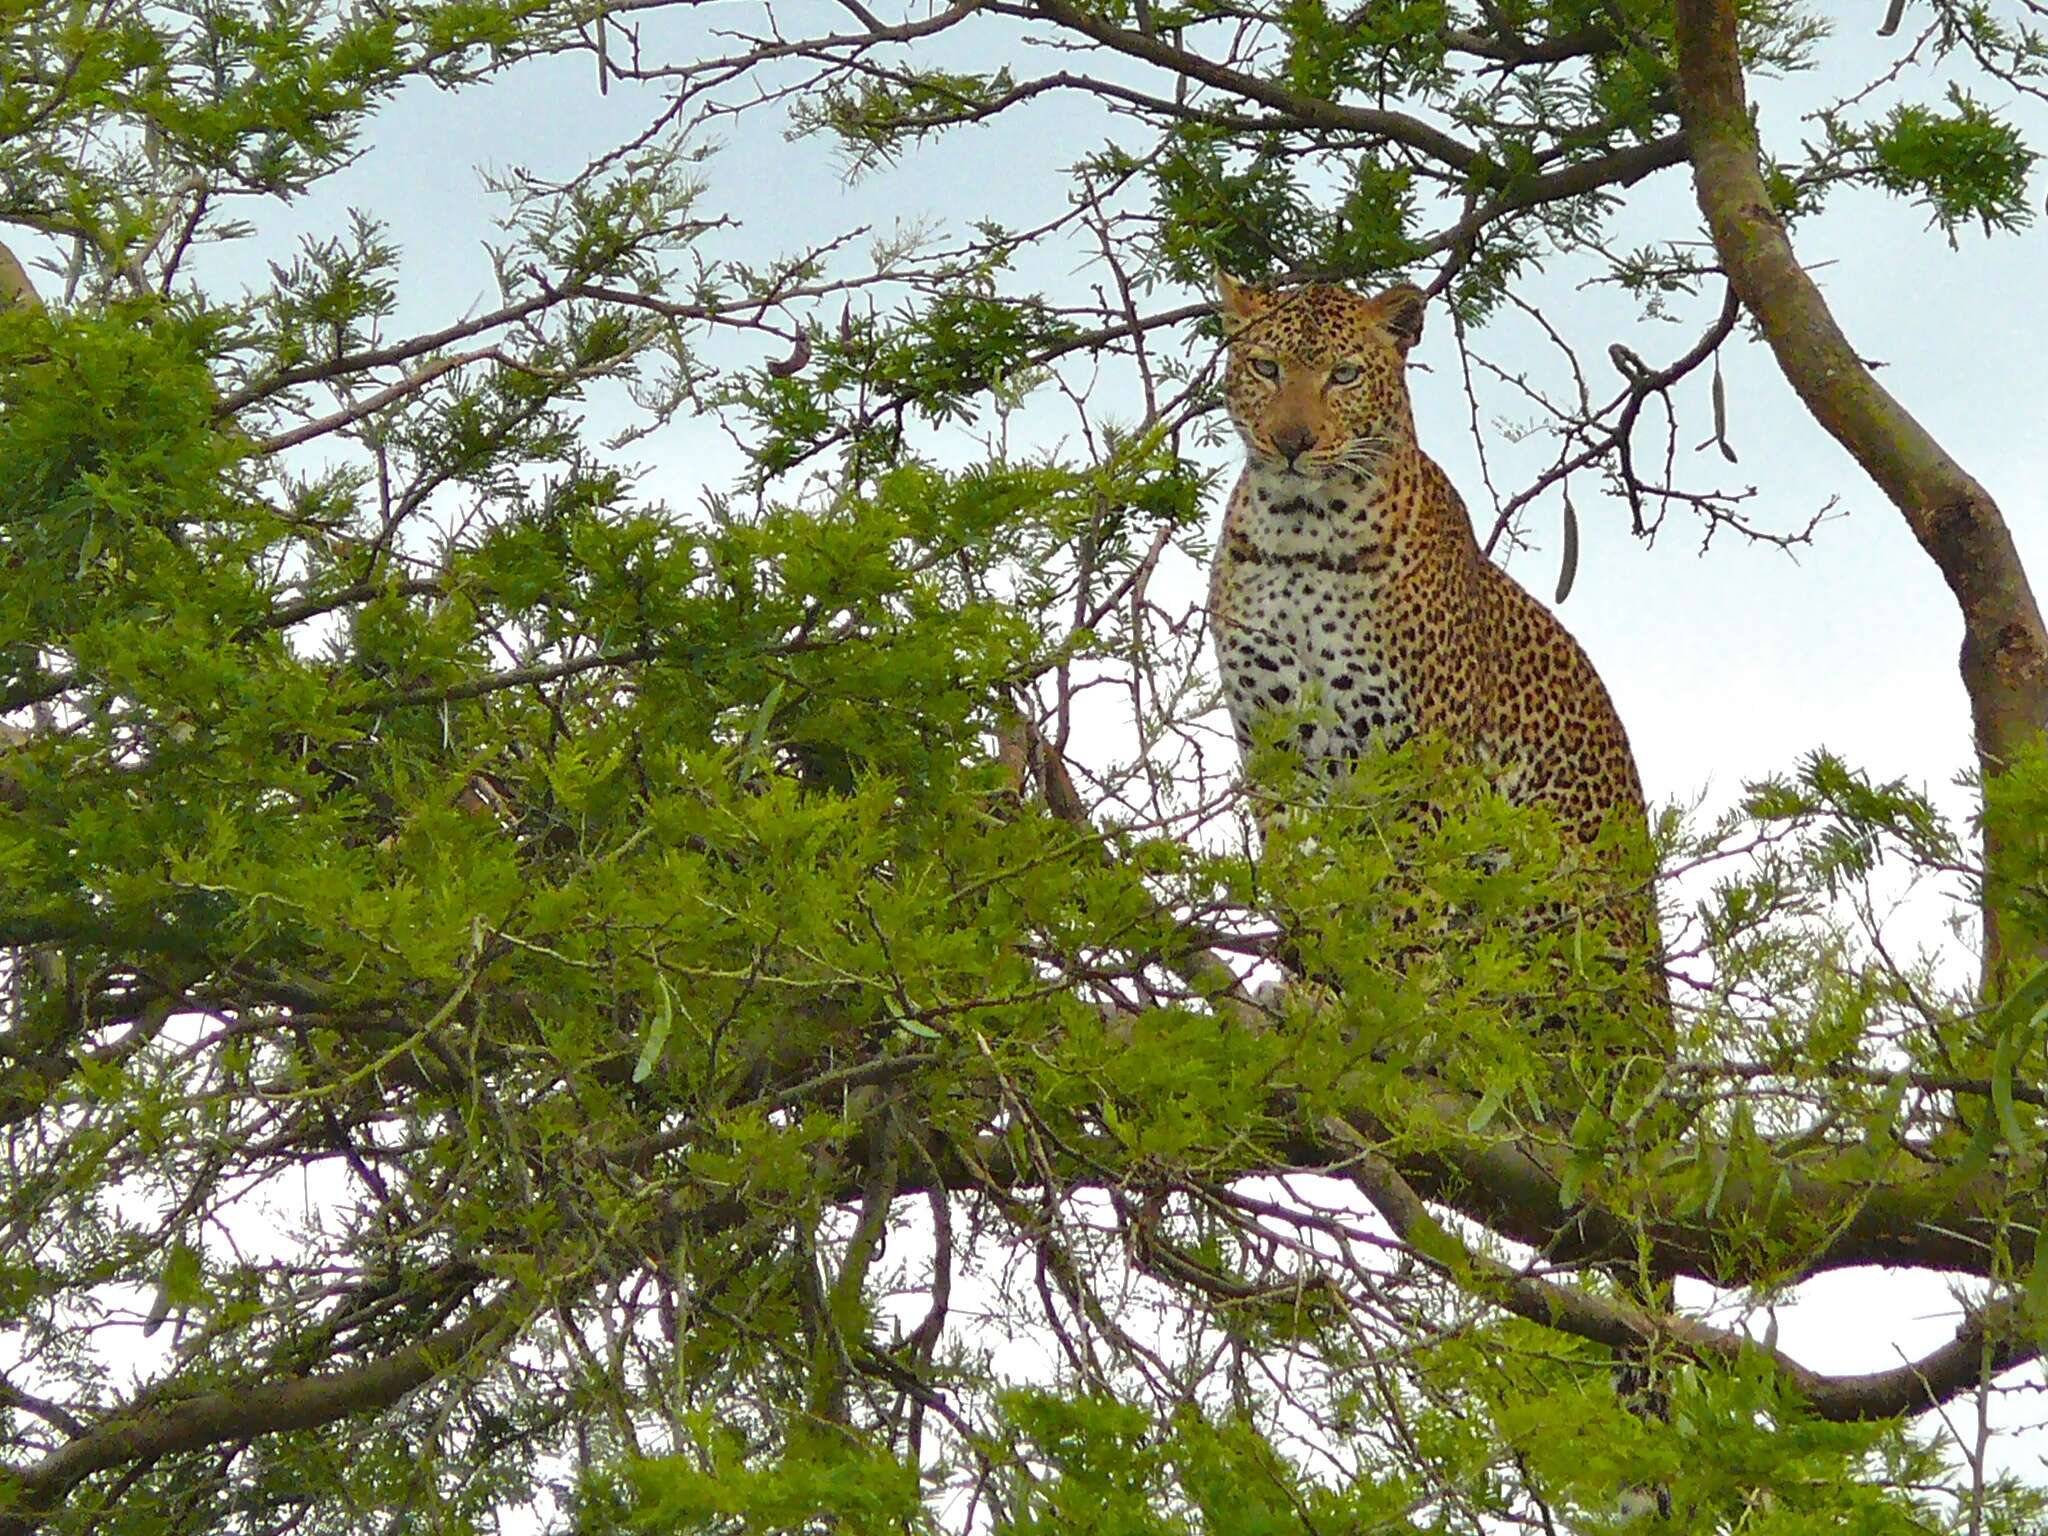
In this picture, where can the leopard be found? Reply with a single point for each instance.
(1349, 599)
(1349, 591)
(1351, 604)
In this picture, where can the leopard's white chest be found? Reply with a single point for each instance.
(1307, 619)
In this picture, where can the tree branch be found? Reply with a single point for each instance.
(1909, 1388)
(390, 394)
(1863, 1203)
(1309, 111)
(2005, 649)
(238, 1413)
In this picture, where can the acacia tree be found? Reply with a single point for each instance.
(529, 1003)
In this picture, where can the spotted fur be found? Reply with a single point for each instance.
(1348, 588)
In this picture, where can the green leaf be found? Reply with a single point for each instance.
(2034, 1296)
(1719, 1184)
(1488, 1106)
(183, 1277)
(657, 1033)
(1571, 1181)
(764, 716)
(2013, 1028)
(1964, 164)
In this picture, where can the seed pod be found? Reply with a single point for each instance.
(1721, 414)
(1568, 569)
(799, 354)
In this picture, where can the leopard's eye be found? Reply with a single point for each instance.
(1265, 367)
(1344, 373)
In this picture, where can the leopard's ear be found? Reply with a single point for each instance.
(1238, 303)
(1400, 310)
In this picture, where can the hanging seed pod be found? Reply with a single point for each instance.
(799, 354)
(1720, 395)
(1568, 569)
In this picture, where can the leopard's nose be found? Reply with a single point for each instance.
(1293, 442)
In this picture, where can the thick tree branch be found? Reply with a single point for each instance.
(1622, 167)
(1849, 1206)
(1506, 49)
(2005, 650)
(354, 364)
(1912, 1387)
(1511, 1187)
(1513, 193)
(1852, 1206)
(1936, 1377)
(188, 1424)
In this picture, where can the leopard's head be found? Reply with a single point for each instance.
(1315, 378)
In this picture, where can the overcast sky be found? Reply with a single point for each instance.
(1724, 666)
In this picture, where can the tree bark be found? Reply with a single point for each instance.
(2005, 651)
(32, 1494)
(1992, 1337)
